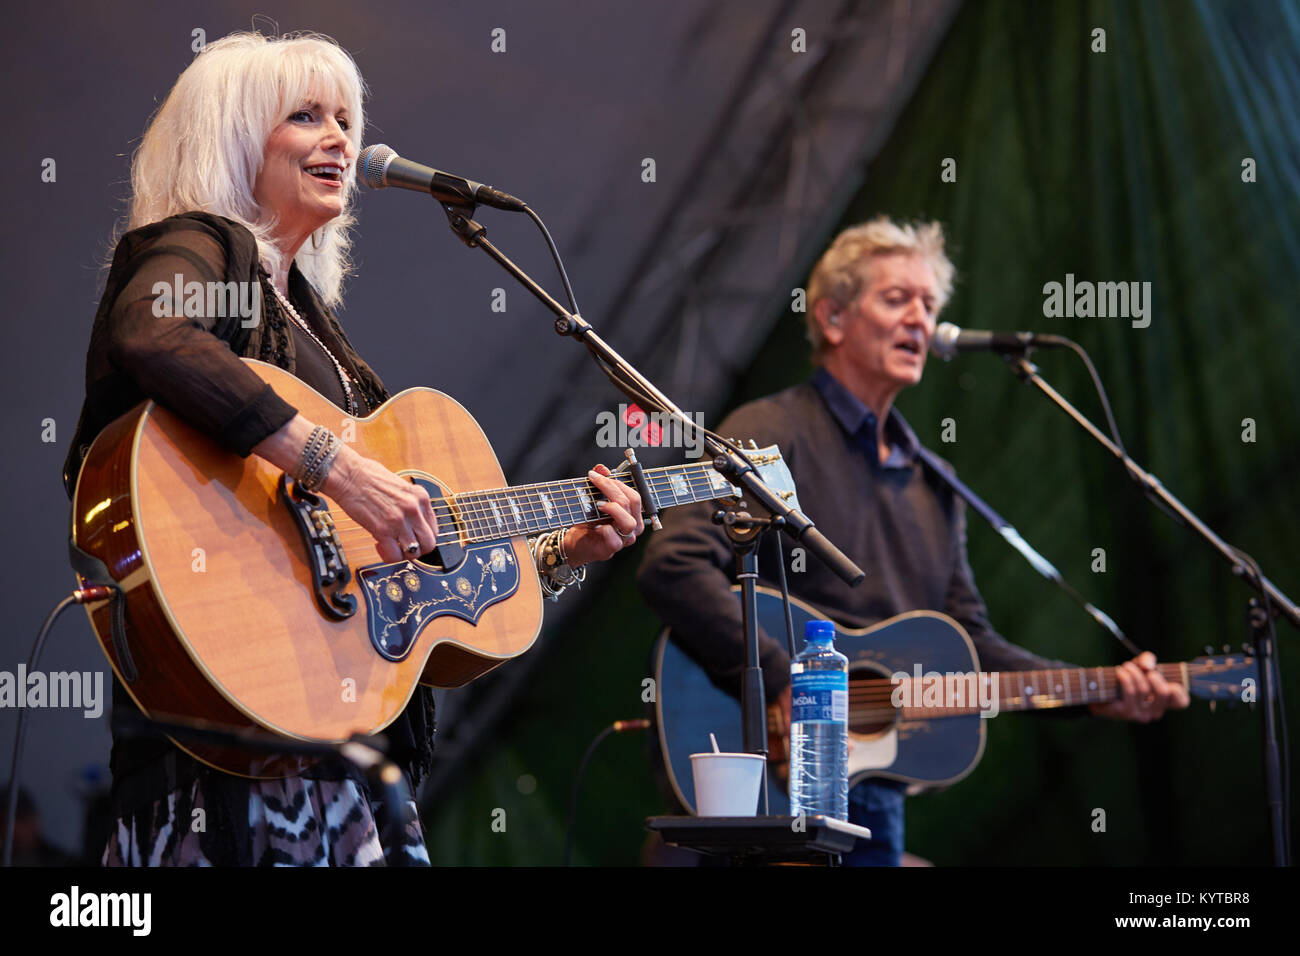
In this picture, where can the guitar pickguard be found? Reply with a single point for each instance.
(404, 596)
(296, 597)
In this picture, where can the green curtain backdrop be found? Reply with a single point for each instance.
(1123, 165)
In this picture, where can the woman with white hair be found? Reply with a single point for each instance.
(245, 175)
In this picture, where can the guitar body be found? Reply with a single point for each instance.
(925, 753)
(223, 620)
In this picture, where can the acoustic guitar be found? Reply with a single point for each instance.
(910, 729)
(252, 604)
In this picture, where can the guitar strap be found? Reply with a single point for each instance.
(1004, 527)
(94, 571)
(960, 487)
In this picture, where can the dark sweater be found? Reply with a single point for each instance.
(898, 521)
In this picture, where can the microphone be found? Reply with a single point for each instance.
(380, 166)
(948, 340)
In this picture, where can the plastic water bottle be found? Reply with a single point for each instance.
(819, 726)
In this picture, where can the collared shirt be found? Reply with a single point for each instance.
(860, 422)
(899, 522)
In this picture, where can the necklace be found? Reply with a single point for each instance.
(338, 367)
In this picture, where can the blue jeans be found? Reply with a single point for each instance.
(878, 805)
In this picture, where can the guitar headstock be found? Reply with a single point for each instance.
(771, 467)
(1232, 677)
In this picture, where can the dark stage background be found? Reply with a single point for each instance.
(1117, 165)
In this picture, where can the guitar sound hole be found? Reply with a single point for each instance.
(870, 710)
(445, 556)
(449, 553)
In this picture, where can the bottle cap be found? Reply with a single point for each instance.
(819, 631)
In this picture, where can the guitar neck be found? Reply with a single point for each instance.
(552, 505)
(939, 696)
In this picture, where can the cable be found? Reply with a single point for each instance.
(12, 809)
(555, 254)
(653, 405)
(1256, 573)
(617, 727)
(621, 381)
(1101, 394)
(785, 597)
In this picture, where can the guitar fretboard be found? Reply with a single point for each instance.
(962, 695)
(548, 506)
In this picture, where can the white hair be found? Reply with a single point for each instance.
(841, 272)
(205, 145)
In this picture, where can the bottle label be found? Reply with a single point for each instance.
(819, 697)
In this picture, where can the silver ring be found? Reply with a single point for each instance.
(630, 536)
(413, 548)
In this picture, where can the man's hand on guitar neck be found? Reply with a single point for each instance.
(1144, 693)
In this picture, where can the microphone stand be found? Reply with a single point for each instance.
(1259, 619)
(726, 459)
(744, 532)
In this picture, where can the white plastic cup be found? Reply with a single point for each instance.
(727, 785)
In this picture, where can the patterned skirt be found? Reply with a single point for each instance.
(291, 822)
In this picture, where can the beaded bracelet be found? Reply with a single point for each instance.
(317, 458)
(312, 453)
(316, 478)
(549, 556)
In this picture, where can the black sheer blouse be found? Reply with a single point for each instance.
(191, 366)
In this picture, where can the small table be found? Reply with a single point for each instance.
(760, 841)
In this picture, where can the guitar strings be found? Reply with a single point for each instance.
(484, 523)
(883, 686)
(479, 518)
(478, 503)
(878, 689)
(867, 699)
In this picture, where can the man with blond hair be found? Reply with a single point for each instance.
(873, 302)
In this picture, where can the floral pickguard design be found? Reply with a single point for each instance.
(405, 596)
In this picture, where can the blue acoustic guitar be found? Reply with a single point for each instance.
(915, 698)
